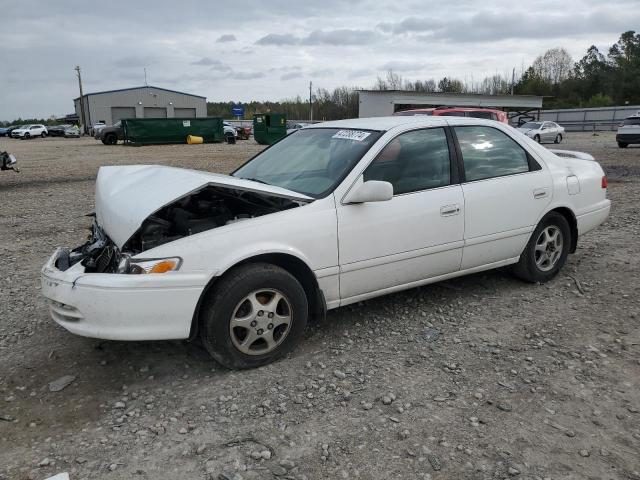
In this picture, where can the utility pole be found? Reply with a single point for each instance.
(513, 79)
(82, 120)
(145, 77)
(310, 101)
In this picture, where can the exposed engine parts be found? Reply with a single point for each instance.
(206, 209)
(203, 210)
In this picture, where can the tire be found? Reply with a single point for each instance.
(229, 307)
(110, 139)
(43, 135)
(27, 136)
(537, 138)
(622, 145)
(532, 266)
(230, 138)
(558, 139)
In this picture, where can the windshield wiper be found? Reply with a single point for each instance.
(255, 180)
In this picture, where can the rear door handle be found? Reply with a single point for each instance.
(540, 193)
(448, 210)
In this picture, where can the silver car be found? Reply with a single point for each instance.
(543, 131)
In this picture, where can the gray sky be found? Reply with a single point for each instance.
(254, 51)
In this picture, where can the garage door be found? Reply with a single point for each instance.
(155, 112)
(184, 112)
(118, 113)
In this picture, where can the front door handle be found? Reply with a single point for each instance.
(448, 210)
(540, 193)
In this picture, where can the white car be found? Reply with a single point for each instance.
(543, 131)
(30, 131)
(230, 132)
(629, 131)
(327, 217)
(96, 127)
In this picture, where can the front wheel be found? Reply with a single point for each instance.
(547, 250)
(43, 134)
(537, 138)
(256, 314)
(27, 136)
(623, 145)
(558, 139)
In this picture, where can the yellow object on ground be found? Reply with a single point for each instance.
(194, 140)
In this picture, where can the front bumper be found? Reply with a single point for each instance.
(119, 306)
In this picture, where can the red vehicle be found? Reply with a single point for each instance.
(475, 112)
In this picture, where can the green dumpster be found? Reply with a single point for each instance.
(268, 128)
(147, 131)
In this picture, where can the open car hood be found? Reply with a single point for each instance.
(127, 195)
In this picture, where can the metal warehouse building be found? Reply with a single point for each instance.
(138, 102)
(380, 103)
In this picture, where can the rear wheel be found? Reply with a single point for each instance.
(537, 138)
(230, 138)
(558, 139)
(255, 314)
(623, 145)
(547, 250)
(43, 134)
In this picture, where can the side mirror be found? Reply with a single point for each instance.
(8, 162)
(370, 191)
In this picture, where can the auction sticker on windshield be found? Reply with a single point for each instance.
(356, 135)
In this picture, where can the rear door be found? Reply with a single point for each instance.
(505, 191)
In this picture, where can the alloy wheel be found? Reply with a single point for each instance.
(260, 322)
(548, 248)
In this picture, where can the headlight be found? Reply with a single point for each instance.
(148, 265)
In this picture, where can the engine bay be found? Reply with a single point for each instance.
(205, 209)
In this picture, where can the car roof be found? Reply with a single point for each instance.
(387, 123)
(381, 123)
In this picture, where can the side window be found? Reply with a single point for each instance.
(487, 153)
(413, 161)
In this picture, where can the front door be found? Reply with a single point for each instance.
(417, 234)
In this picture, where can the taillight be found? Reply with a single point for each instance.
(604, 181)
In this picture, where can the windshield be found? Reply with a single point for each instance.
(311, 161)
(532, 125)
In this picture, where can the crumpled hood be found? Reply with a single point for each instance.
(127, 195)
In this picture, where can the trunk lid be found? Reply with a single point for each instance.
(127, 195)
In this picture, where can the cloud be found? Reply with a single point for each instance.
(277, 39)
(226, 38)
(343, 36)
(291, 76)
(404, 66)
(247, 75)
(411, 24)
(134, 62)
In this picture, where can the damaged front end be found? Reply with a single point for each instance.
(207, 208)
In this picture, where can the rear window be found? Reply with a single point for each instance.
(631, 121)
(453, 114)
(485, 115)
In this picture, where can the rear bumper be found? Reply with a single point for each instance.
(592, 219)
(121, 307)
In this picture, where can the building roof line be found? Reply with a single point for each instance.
(138, 88)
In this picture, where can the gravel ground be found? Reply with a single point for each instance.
(482, 377)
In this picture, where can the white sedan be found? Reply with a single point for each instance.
(329, 216)
(543, 131)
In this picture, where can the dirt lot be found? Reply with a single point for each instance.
(482, 377)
